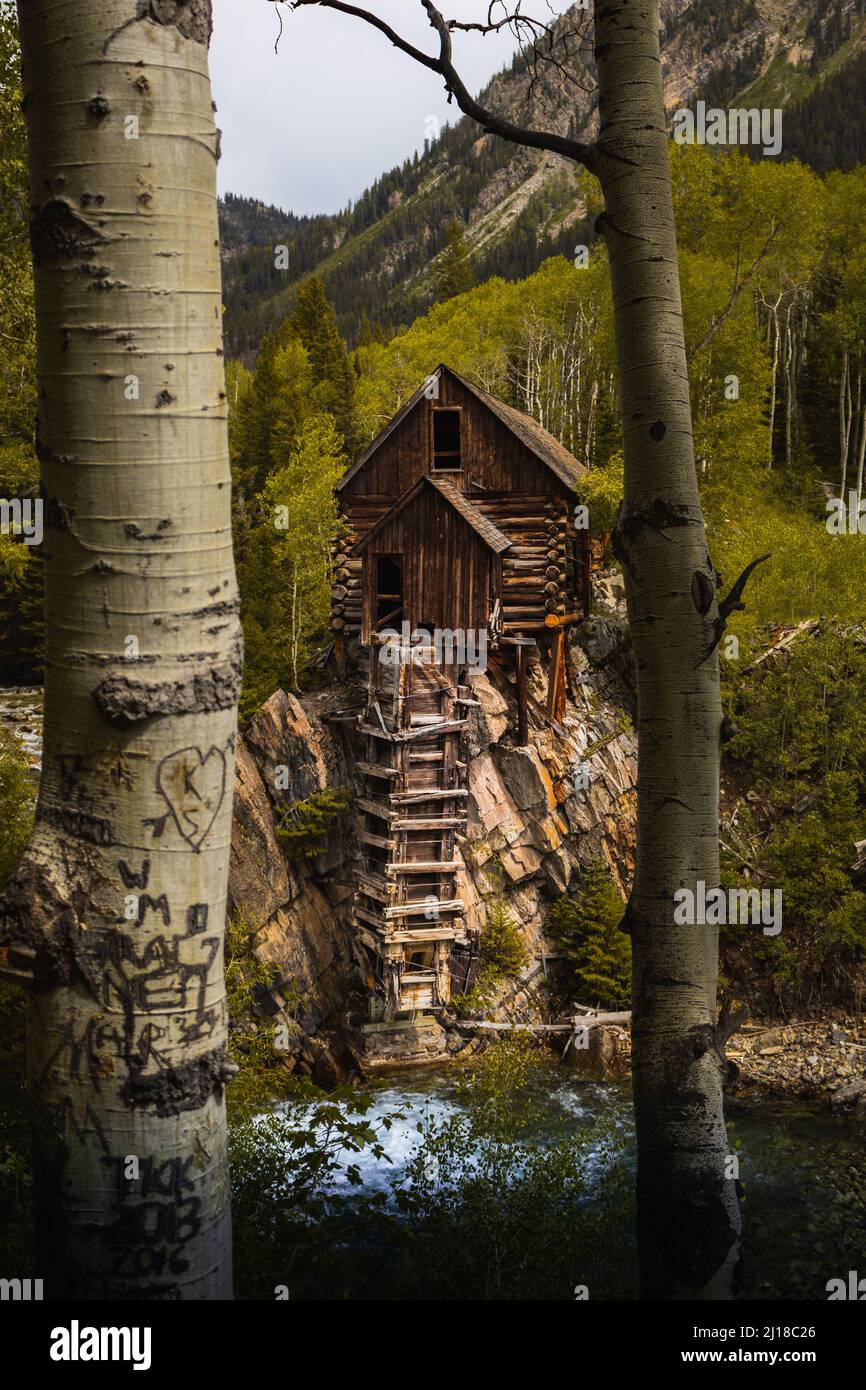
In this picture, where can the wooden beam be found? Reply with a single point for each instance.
(422, 909)
(430, 794)
(376, 840)
(373, 808)
(419, 824)
(432, 867)
(587, 1021)
(561, 619)
(522, 713)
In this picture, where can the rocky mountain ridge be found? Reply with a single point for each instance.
(518, 205)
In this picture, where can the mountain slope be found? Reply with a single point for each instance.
(521, 205)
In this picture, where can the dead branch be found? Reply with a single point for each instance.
(443, 64)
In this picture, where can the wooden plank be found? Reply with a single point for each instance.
(425, 794)
(370, 918)
(422, 934)
(373, 808)
(377, 770)
(423, 909)
(376, 887)
(367, 839)
(418, 824)
(399, 735)
(432, 867)
(582, 1021)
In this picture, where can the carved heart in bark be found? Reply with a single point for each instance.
(193, 785)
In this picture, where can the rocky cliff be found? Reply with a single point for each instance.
(536, 813)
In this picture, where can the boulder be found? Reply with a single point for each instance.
(607, 1056)
(525, 777)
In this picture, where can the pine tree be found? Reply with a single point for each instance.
(313, 322)
(454, 271)
(586, 928)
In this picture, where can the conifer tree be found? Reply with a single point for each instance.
(454, 270)
(313, 322)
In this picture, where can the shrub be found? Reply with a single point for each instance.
(263, 1075)
(304, 827)
(16, 804)
(502, 956)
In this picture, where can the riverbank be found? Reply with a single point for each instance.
(463, 1190)
(822, 1060)
(21, 716)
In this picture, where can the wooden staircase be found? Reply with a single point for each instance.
(407, 907)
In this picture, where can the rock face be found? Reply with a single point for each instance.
(301, 911)
(536, 814)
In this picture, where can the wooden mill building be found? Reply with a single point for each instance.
(460, 524)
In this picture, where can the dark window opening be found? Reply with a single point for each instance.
(446, 440)
(419, 959)
(389, 590)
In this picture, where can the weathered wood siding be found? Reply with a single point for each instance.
(449, 574)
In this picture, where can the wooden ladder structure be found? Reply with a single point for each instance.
(407, 910)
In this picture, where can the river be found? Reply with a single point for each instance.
(21, 715)
(802, 1170)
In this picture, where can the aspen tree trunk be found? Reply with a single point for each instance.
(115, 918)
(688, 1215)
(844, 423)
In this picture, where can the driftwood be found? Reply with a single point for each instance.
(580, 1021)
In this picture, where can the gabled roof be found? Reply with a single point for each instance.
(538, 440)
(491, 535)
(388, 430)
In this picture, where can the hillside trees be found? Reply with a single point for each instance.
(287, 559)
(315, 326)
(113, 921)
(292, 425)
(688, 1215)
(454, 268)
(20, 564)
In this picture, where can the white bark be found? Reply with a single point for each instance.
(127, 1033)
(844, 421)
(688, 1216)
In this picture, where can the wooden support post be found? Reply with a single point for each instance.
(560, 692)
(522, 713)
(556, 673)
(340, 654)
(586, 574)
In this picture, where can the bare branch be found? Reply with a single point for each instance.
(443, 64)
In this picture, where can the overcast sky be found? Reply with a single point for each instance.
(311, 127)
